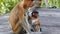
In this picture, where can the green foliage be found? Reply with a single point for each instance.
(7, 5)
(58, 3)
(52, 3)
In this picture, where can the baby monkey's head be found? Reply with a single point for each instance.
(34, 14)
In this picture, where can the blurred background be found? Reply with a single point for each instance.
(49, 18)
(7, 5)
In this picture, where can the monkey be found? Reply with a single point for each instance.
(34, 20)
(17, 20)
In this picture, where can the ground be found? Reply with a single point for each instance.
(49, 18)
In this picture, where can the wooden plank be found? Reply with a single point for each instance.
(49, 9)
(36, 33)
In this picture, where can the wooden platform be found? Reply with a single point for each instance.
(50, 22)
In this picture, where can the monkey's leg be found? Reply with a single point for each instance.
(28, 25)
(37, 28)
(25, 25)
(15, 26)
(18, 29)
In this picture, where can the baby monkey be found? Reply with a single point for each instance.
(34, 21)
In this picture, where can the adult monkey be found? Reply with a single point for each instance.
(17, 18)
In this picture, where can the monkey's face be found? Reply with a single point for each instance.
(34, 14)
(29, 3)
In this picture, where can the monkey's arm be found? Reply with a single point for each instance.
(13, 21)
(13, 18)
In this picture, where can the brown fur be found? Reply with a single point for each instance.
(36, 24)
(17, 15)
